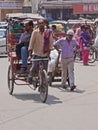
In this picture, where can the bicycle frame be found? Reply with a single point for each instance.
(40, 60)
(42, 79)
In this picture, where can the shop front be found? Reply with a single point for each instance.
(60, 14)
(87, 10)
(68, 10)
(57, 10)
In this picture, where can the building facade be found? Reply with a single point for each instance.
(67, 9)
(10, 6)
(51, 9)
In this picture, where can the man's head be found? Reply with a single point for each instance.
(41, 25)
(28, 25)
(70, 34)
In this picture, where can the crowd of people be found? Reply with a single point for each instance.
(41, 42)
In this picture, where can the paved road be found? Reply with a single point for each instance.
(64, 110)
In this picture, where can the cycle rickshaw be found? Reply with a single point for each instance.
(16, 64)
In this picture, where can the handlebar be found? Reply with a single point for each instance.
(41, 59)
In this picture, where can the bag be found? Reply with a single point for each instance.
(18, 49)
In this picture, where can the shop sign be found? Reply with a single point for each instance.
(85, 8)
(10, 5)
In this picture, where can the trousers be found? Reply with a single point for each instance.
(85, 55)
(67, 70)
(24, 56)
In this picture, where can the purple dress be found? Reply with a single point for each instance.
(85, 39)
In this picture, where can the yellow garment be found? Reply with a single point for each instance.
(59, 27)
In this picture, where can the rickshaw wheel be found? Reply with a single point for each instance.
(92, 54)
(10, 80)
(43, 86)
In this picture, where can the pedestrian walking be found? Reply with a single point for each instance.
(67, 58)
(85, 39)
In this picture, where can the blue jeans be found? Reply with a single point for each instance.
(24, 56)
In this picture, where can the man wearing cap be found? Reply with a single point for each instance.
(67, 58)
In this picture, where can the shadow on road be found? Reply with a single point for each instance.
(90, 65)
(68, 89)
(3, 56)
(36, 97)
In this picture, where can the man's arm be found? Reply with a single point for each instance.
(32, 41)
(21, 38)
(31, 45)
(58, 43)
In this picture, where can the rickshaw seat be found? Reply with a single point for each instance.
(14, 56)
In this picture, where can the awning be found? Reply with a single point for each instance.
(55, 6)
(24, 16)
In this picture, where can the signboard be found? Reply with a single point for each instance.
(85, 8)
(11, 5)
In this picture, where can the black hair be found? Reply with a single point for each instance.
(83, 26)
(86, 27)
(30, 23)
(54, 26)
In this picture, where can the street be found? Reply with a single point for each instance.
(63, 110)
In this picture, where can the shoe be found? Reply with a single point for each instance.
(85, 64)
(34, 83)
(29, 80)
(64, 86)
(23, 70)
(73, 87)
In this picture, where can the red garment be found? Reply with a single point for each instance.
(85, 55)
